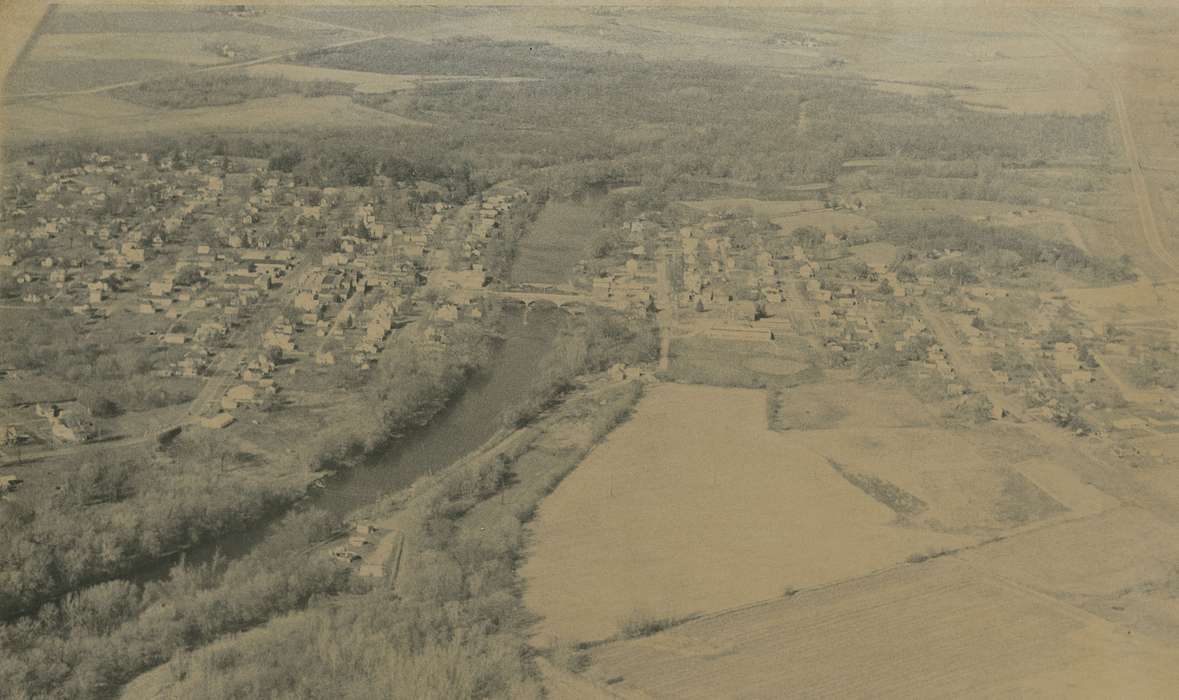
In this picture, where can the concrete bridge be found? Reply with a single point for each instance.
(558, 299)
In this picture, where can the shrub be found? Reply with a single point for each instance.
(639, 623)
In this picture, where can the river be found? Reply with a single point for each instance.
(464, 425)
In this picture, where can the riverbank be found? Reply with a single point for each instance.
(144, 623)
(456, 592)
(135, 514)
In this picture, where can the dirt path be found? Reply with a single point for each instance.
(396, 544)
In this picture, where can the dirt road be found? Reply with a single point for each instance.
(1148, 222)
(206, 69)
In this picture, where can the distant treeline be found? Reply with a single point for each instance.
(331, 158)
(673, 125)
(1001, 248)
(219, 88)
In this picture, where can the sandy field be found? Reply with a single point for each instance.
(694, 506)
(950, 631)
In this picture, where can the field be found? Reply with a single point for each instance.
(694, 506)
(560, 237)
(38, 76)
(112, 117)
(363, 80)
(191, 48)
(950, 631)
(1097, 556)
(759, 207)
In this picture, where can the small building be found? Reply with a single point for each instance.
(217, 422)
(240, 394)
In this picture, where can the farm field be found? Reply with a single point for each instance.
(190, 48)
(1096, 556)
(364, 81)
(693, 506)
(562, 234)
(59, 116)
(951, 631)
(79, 74)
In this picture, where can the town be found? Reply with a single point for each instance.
(588, 352)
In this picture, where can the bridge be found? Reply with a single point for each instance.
(558, 299)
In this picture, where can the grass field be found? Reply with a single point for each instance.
(692, 506)
(950, 631)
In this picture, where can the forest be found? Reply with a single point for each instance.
(1001, 249)
(119, 511)
(459, 605)
(217, 89)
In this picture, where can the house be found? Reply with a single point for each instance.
(743, 310)
(240, 394)
(71, 425)
(8, 483)
(447, 312)
(307, 302)
(1129, 423)
(219, 421)
(739, 331)
(601, 288)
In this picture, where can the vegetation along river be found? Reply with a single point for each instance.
(463, 426)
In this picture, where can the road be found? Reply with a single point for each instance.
(1148, 222)
(194, 71)
(224, 370)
